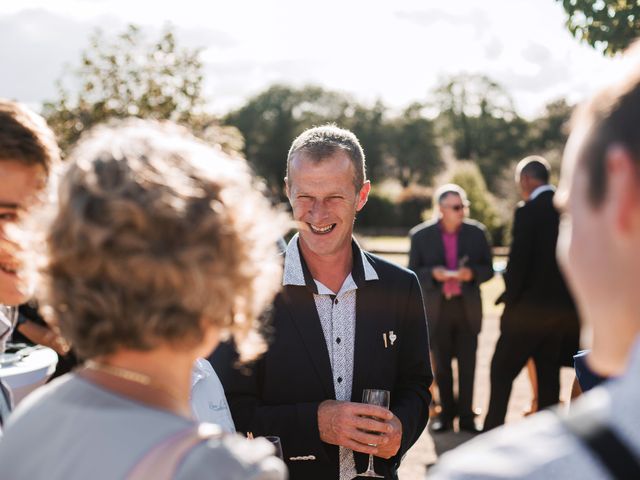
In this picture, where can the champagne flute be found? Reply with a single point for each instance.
(8, 319)
(277, 444)
(374, 397)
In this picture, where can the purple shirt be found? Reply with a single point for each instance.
(450, 241)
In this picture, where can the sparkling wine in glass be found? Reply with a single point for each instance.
(382, 399)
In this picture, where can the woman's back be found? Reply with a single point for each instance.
(75, 429)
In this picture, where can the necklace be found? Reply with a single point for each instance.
(119, 372)
(131, 376)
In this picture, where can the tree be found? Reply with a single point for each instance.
(369, 125)
(482, 208)
(272, 119)
(550, 130)
(608, 25)
(128, 76)
(478, 119)
(412, 147)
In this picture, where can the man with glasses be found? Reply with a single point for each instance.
(539, 319)
(27, 152)
(452, 257)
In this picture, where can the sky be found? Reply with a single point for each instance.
(396, 51)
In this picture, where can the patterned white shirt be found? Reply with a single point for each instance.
(337, 313)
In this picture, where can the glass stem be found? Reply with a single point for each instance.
(370, 467)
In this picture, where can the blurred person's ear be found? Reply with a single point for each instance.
(623, 190)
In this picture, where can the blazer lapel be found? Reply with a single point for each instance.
(438, 245)
(368, 337)
(463, 247)
(305, 317)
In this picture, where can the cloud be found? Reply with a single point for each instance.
(40, 46)
(550, 75)
(493, 48)
(536, 53)
(36, 44)
(426, 18)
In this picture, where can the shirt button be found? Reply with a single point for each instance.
(338, 340)
(335, 301)
(339, 379)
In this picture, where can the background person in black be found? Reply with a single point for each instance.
(452, 257)
(539, 318)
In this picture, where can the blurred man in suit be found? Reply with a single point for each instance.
(452, 257)
(539, 318)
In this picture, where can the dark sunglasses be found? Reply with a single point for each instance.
(455, 208)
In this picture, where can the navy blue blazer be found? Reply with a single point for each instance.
(427, 252)
(281, 393)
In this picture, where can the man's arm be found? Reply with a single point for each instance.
(482, 269)
(295, 424)
(520, 255)
(423, 270)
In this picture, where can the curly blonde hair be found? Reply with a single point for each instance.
(157, 234)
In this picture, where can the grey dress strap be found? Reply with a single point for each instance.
(162, 461)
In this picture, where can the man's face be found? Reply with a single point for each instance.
(452, 210)
(324, 202)
(19, 185)
(583, 240)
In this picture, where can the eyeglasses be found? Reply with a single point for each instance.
(455, 208)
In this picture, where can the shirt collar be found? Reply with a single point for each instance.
(541, 189)
(297, 273)
(444, 232)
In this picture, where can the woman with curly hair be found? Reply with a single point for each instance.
(160, 246)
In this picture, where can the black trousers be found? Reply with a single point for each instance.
(452, 338)
(512, 352)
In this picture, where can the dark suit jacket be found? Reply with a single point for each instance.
(427, 252)
(536, 296)
(282, 393)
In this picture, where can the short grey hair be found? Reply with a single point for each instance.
(321, 142)
(451, 189)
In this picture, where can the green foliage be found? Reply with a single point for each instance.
(271, 120)
(608, 25)
(412, 204)
(478, 119)
(404, 212)
(380, 211)
(128, 76)
(469, 177)
(369, 125)
(414, 155)
(550, 131)
(404, 148)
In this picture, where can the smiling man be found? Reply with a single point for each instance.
(27, 151)
(344, 321)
